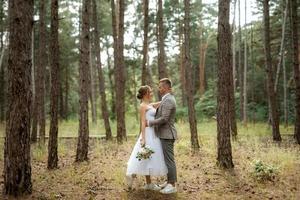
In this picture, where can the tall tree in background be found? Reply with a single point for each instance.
(189, 80)
(233, 125)
(110, 78)
(181, 67)
(145, 72)
(240, 67)
(119, 68)
(202, 52)
(162, 71)
(2, 71)
(270, 77)
(92, 92)
(83, 136)
(42, 59)
(234, 45)
(295, 40)
(104, 109)
(54, 93)
(245, 70)
(224, 158)
(34, 81)
(17, 166)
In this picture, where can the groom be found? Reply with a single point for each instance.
(165, 130)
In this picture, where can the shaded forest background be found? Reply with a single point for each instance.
(248, 45)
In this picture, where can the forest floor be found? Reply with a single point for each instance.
(103, 177)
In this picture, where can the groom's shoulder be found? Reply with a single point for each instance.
(171, 99)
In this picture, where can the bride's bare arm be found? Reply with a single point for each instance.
(155, 104)
(143, 123)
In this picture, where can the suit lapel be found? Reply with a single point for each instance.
(161, 104)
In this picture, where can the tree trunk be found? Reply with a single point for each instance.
(66, 101)
(111, 82)
(233, 126)
(34, 109)
(234, 47)
(41, 68)
(285, 106)
(280, 57)
(119, 67)
(294, 29)
(91, 84)
(2, 71)
(83, 138)
(245, 100)
(120, 84)
(17, 165)
(54, 93)
(145, 72)
(189, 80)
(241, 71)
(181, 67)
(203, 48)
(162, 72)
(105, 114)
(224, 158)
(202, 51)
(270, 79)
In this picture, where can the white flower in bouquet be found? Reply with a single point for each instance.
(145, 153)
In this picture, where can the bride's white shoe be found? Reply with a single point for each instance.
(129, 180)
(163, 185)
(152, 186)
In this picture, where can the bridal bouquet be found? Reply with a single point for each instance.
(145, 153)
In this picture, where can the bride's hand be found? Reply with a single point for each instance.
(143, 142)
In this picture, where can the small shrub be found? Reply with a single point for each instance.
(264, 172)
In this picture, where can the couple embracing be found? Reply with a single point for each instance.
(158, 133)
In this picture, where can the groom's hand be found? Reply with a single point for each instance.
(146, 123)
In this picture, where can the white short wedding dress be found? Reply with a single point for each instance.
(154, 166)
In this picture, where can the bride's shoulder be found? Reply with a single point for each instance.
(143, 106)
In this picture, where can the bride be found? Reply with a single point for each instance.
(154, 166)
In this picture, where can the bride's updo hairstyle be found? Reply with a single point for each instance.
(143, 90)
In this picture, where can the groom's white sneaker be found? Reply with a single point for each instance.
(169, 189)
(152, 186)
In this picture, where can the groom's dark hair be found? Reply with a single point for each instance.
(166, 81)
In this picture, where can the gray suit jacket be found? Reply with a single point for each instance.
(165, 119)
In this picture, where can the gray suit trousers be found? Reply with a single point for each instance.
(168, 150)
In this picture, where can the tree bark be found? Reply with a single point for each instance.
(119, 67)
(55, 84)
(111, 82)
(234, 47)
(162, 71)
(17, 164)
(285, 105)
(104, 109)
(42, 60)
(245, 99)
(83, 138)
(181, 67)
(281, 52)
(241, 71)
(34, 79)
(233, 125)
(270, 78)
(145, 72)
(202, 51)
(189, 80)
(295, 40)
(224, 158)
(92, 83)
